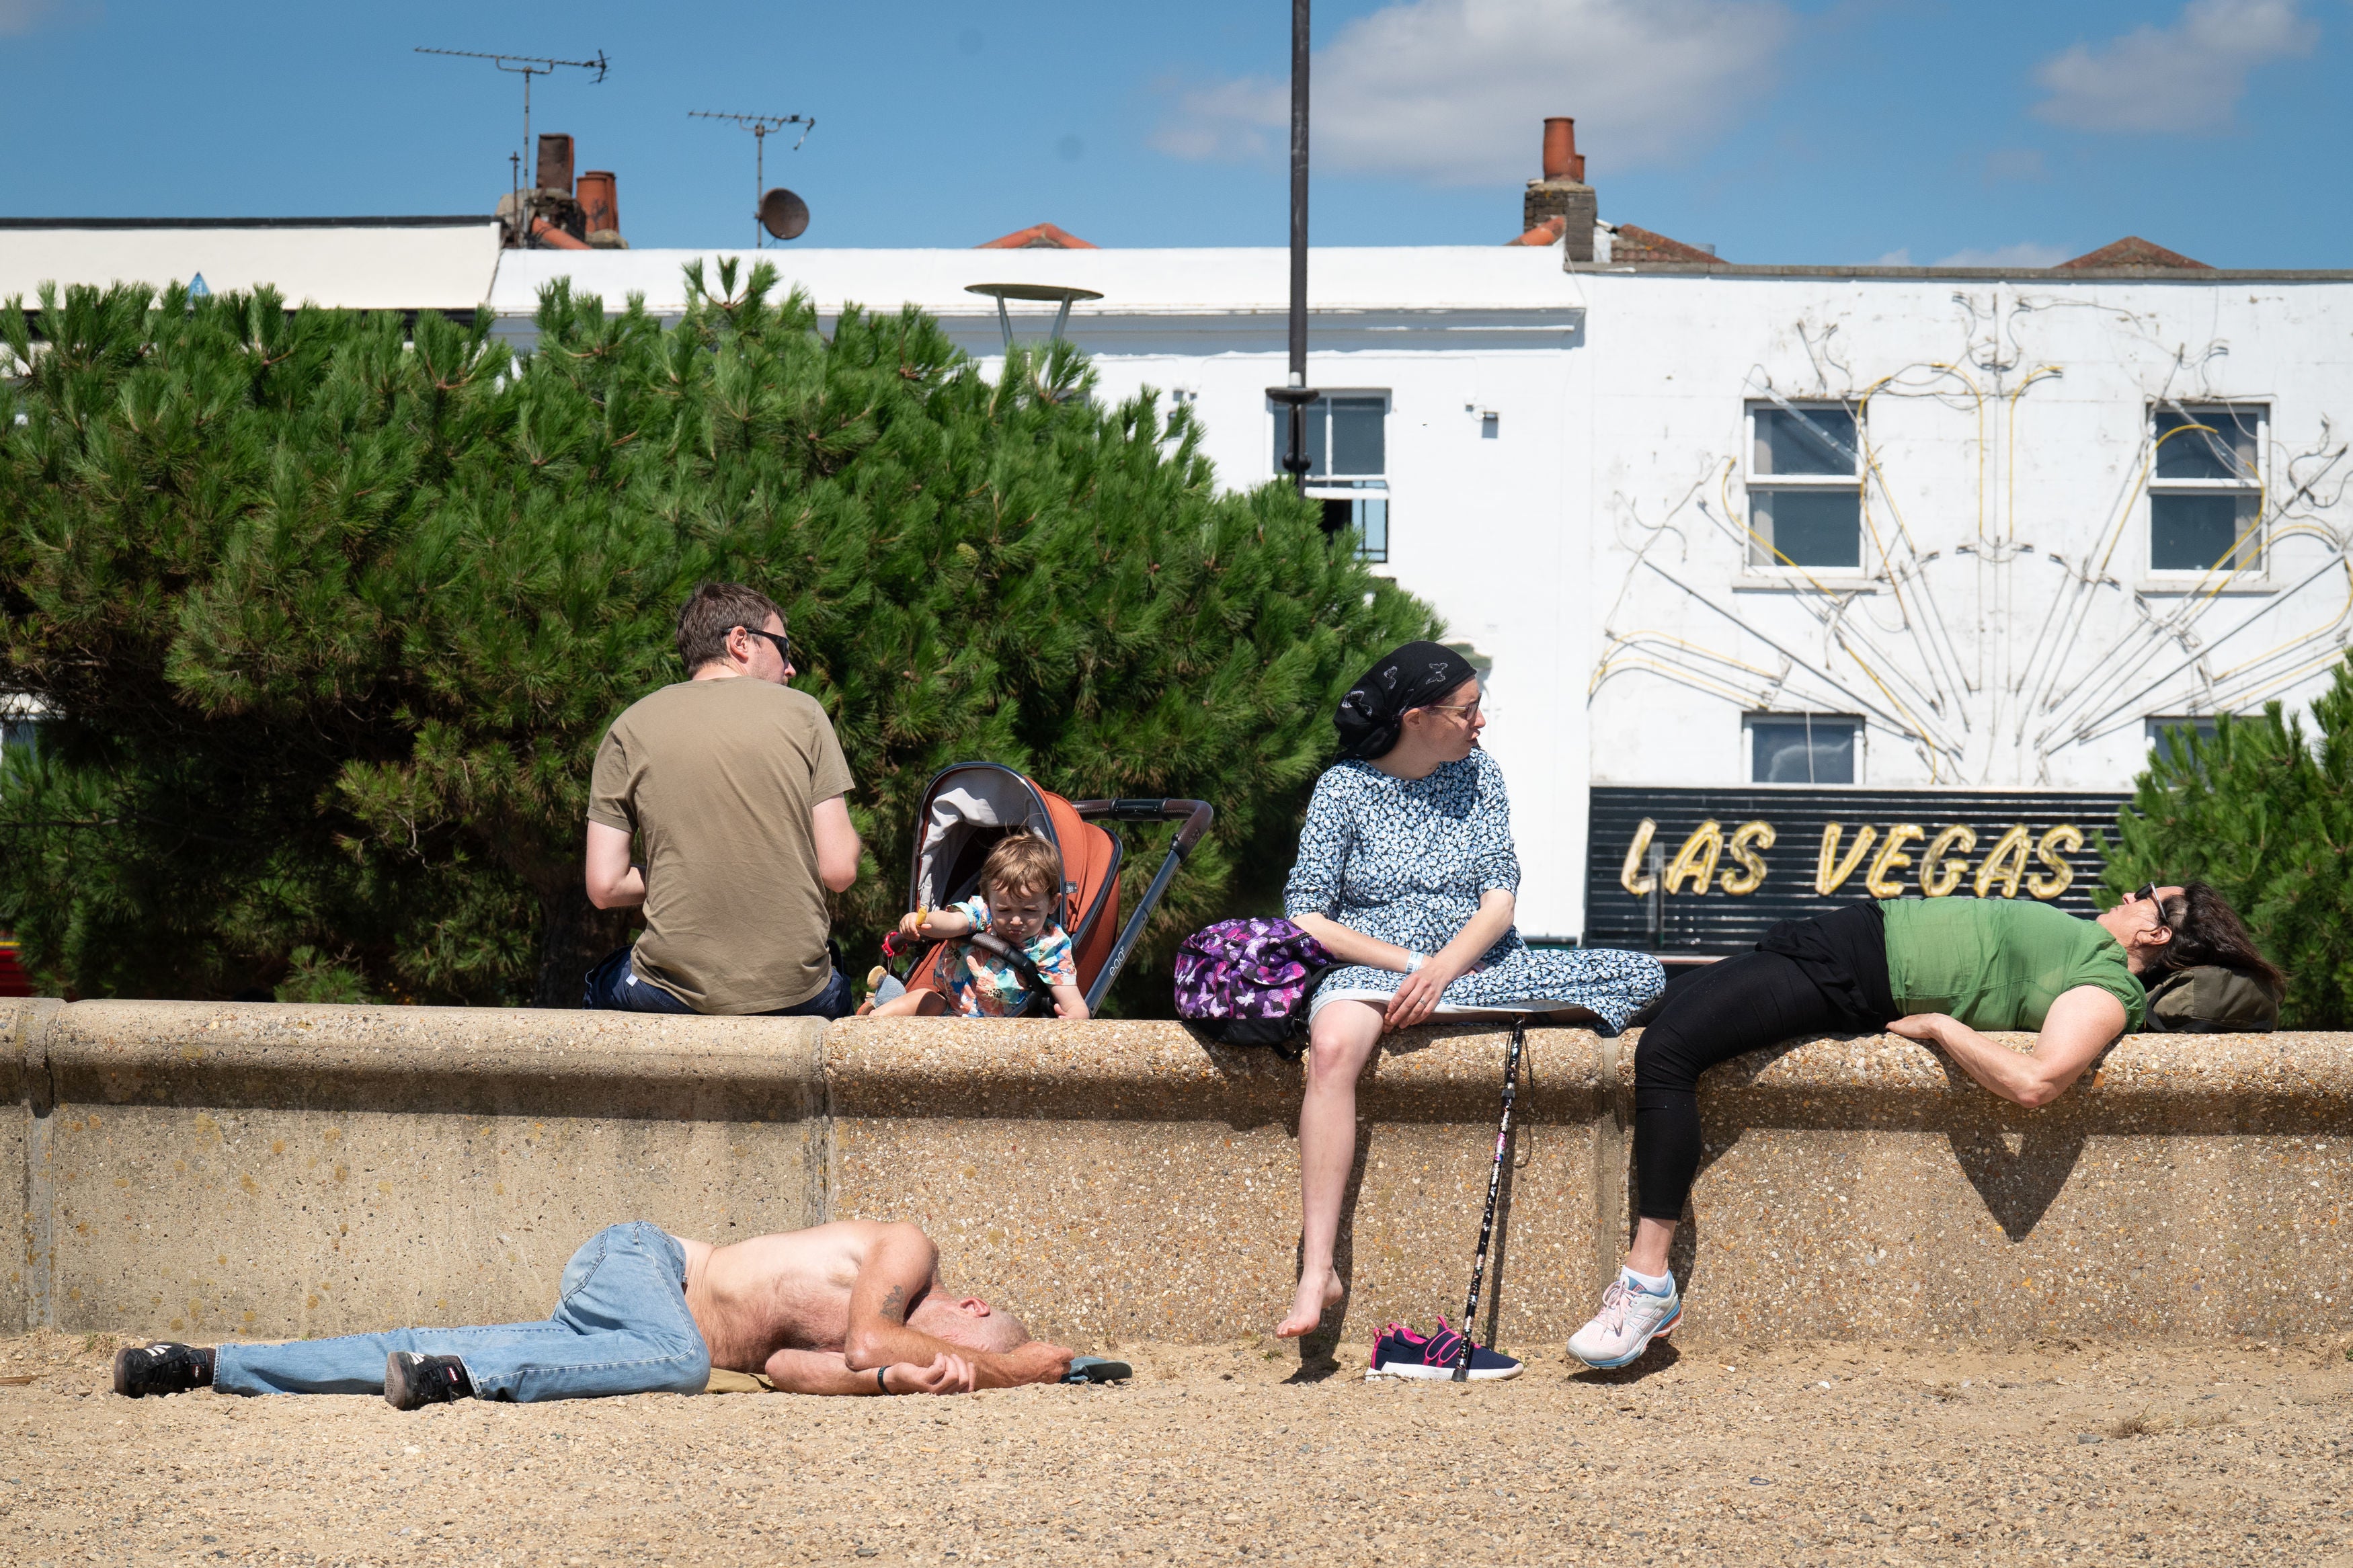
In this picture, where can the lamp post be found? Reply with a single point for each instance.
(1295, 394)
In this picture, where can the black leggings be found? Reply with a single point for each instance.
(1738, 1005)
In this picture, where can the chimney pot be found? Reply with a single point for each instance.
(1561, 161)
(600, 203)
(555, 171)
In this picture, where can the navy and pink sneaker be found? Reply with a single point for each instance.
(1401, 1353)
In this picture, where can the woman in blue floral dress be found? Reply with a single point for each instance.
(1407, 874)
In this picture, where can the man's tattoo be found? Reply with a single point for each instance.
(894, 1305)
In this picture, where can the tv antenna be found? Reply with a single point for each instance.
(526, 66)
(784, 216)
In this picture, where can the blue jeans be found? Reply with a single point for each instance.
(620, 1327)
(614, 986)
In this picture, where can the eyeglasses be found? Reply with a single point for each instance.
(2148, 890)
(783, 644)
(1468, 710)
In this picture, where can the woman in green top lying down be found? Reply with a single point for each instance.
(1939, 970)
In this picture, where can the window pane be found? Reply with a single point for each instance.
(1803, 749)
(2193, 533)
(1809, 528)
(1822, 441)
(1317, 413)
(2163, 733)
(1372, 522)
(17, 735)
(2224, 448)
(1357, 447)
(1366, 518)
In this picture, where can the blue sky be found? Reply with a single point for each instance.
(1797, 131)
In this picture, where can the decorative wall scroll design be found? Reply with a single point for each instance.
(1987, 651)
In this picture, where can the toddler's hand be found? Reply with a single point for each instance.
(912, 923)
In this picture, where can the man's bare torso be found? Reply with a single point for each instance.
(752, 1298)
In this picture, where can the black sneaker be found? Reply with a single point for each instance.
(1401, 1353)
(161, 1369)
(412, 1382)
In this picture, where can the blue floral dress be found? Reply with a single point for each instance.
(1407, 860)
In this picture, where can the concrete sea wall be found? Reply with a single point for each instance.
(214, 1171)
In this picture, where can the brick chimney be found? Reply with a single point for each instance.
(1562, 193)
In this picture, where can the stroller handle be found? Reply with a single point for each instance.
(1197, 816)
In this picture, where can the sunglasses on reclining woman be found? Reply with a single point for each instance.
(2148, 890)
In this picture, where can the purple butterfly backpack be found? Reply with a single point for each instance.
(1248, 982)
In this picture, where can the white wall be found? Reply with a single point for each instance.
(394, 265)
(1482, 530)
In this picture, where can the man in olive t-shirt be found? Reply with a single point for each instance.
(734, 784)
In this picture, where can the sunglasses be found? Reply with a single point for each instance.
(783, 644)
(2148, 890)
(1468, 709)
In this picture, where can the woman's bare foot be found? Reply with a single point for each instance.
(1307, 1308)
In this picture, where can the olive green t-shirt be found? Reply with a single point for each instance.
(1999, 963)
(717, 778)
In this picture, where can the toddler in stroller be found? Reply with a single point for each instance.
(999, 947)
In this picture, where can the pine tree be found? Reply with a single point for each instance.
(331, 623)
(2264, 813)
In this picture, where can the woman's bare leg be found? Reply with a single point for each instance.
(1648, 1255)
(1342, 1040)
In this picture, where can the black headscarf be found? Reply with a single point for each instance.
(1414, 675)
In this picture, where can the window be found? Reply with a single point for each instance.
(19, 721)
(2205, 488)
(1347, 464)
(2163, 730)
(1804, 748)
(1805, 489)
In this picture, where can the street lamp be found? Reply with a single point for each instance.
(1295, 394)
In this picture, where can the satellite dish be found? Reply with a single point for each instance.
(783, 214)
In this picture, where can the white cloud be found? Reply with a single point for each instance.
(1225, 120)
(2025, 253)
(2185, 76)
(1454, 91)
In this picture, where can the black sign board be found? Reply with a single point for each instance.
(1707, 870)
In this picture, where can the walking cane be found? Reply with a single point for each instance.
(1494, 1187)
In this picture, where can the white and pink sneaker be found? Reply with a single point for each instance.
(1629, 1319)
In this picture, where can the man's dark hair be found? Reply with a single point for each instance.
(713, 610)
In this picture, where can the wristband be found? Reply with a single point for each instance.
(1413, 960)
(880, 1386)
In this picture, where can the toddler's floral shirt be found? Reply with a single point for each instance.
(982, 985)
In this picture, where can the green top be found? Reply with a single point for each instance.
(1999, 963)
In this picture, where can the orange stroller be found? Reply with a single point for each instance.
(969, 807)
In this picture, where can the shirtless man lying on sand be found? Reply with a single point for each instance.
(848, 1308)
